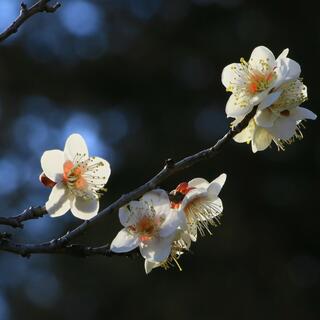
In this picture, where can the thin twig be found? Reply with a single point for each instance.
(60, 244)
(26, 13)
(77, 250)
(28, 214)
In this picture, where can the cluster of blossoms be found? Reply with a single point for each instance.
(275, 87)
(163, 225)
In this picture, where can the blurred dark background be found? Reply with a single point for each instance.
(140, 80)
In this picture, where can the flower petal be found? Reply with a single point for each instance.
(84, 209)
(76, 148)
(232, 75)
(194, 193)
(258, 97)
(198, 183)
(261, 139)
(159, 199)
(157, 249)
(236, 121)
(281, 72)
(217, 184)
(59, 201)
(283, 54)
(269, 100)
(259, 57)
(124, 241)
(52, 164)
(235, 108)
(246, 134)
(294, 69)
(149, 266)
(286, 69)
(265, 118)
(173, 221)
(300, 113)
(284, 128)
(128, 217)
(138, 209)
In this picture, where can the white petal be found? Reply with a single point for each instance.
(233, 74)
(195, 193)
(59, 201)
(175, 219)
(52, 164)
(149, 266)
(281, 71)
(300, 113)
(234, 108)
(236, 121)
(261, 54)
(76, 148)
(259, 97)
(84, 209)
(138, 209)
(159, 199)
(246, 134)
(261, 139)
(101, 171)
(198, 183)
(283, 54)
(284, 128)
(265, 118)
(127, 217)
(269, 100)
(294, 69)
(217, 184)
(157, 249)
(286, 70)
(124, 241)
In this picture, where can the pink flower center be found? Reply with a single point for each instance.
(74, 175)
(147, 227)
(259, 82)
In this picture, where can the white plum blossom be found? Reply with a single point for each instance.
(180, 244)
(280, 122)
(76, 178)
(201, 204)
(149, 224)
(256, 82)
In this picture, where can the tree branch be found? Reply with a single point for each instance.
(26, 13)
(61, 244)
(28, 214)
(77, 250)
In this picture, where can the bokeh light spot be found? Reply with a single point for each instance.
(8, 12)
(81, 18)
